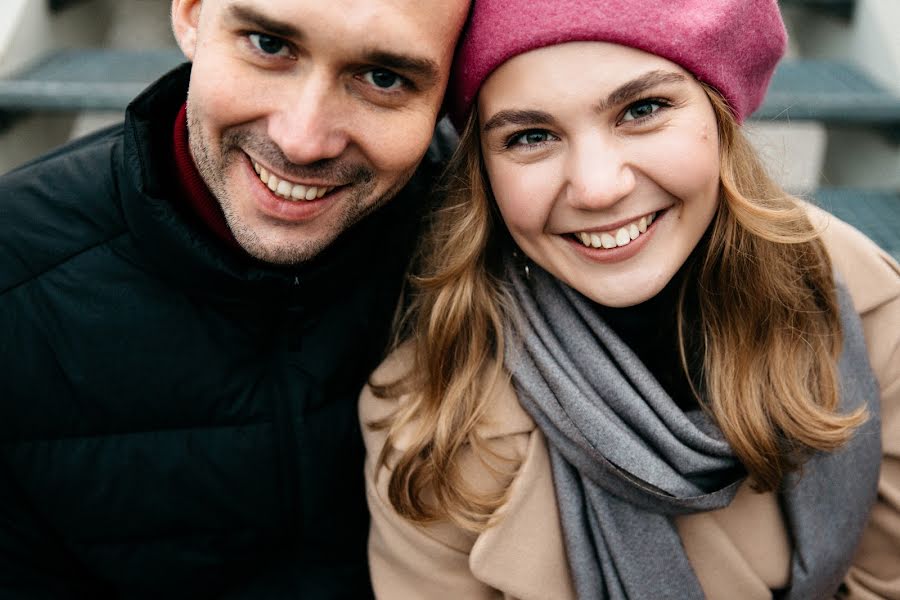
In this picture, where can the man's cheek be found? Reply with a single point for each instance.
(406, 146)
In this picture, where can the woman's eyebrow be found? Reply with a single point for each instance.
(620, 95)
(636, 87)
(517, 117)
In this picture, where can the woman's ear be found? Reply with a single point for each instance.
(185, 20)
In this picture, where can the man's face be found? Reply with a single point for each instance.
(306, 115)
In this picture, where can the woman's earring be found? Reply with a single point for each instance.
(523, 261)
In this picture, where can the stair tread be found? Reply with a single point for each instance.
(820, 2)
(840, 8)
(829, 91)
(108, 79)
(99, 79)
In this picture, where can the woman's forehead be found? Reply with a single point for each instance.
(566, 72)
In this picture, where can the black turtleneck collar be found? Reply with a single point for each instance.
(651, 330)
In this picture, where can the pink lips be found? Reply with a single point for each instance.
(619, 253)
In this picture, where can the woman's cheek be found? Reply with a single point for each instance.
(684, 166)
(525, 194)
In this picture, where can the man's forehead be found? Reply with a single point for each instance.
(373, 23)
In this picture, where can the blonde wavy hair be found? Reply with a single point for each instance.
(769, 329)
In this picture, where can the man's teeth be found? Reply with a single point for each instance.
(614, 239)
(288, 190)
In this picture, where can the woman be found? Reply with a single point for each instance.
(637, 368)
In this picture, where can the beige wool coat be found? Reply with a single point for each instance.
(740, 552)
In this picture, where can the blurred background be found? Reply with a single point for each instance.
(829, 129)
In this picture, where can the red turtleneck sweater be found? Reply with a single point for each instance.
(194, 196)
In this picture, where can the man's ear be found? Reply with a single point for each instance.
(185, 20)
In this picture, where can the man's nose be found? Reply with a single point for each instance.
(600, 173)
(311, 123)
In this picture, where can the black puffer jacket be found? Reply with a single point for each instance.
(177, 421)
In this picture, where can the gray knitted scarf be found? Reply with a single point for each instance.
(626, 458)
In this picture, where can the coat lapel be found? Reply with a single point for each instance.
(523, 554)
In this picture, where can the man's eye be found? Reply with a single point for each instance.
(383, 79)
(642, 110)
(530, 138)
(268, 44)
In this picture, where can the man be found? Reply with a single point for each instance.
(191, 302)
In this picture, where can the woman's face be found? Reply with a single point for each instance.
(604, 163)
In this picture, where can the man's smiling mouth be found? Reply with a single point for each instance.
(288, 189)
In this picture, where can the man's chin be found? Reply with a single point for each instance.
(284, 253)
(284, 244)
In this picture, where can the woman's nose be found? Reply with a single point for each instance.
(600, 174)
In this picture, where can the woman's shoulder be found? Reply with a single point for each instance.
(871, 275)
(507, 432)
(520, 555)
(373, 407)
(504, 417)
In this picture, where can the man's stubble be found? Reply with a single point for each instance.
(357, 200)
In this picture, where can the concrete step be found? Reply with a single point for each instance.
(793, 152)
(85, 79)
(875, 213)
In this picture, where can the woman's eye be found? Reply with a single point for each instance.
(530, 138)
(383, 79)
(642, 109)
(268, 44)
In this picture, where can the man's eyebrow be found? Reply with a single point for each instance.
(517, 117)
(424, 70)
(250, 17)
(638, 86)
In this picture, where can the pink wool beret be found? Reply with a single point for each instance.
(732, 45)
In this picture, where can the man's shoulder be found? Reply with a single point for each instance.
(443, 142)
(97, 140)
(59, 205)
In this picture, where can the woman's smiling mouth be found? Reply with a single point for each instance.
(615, 238)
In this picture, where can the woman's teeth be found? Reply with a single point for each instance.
(288, 190)
(613, 239)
